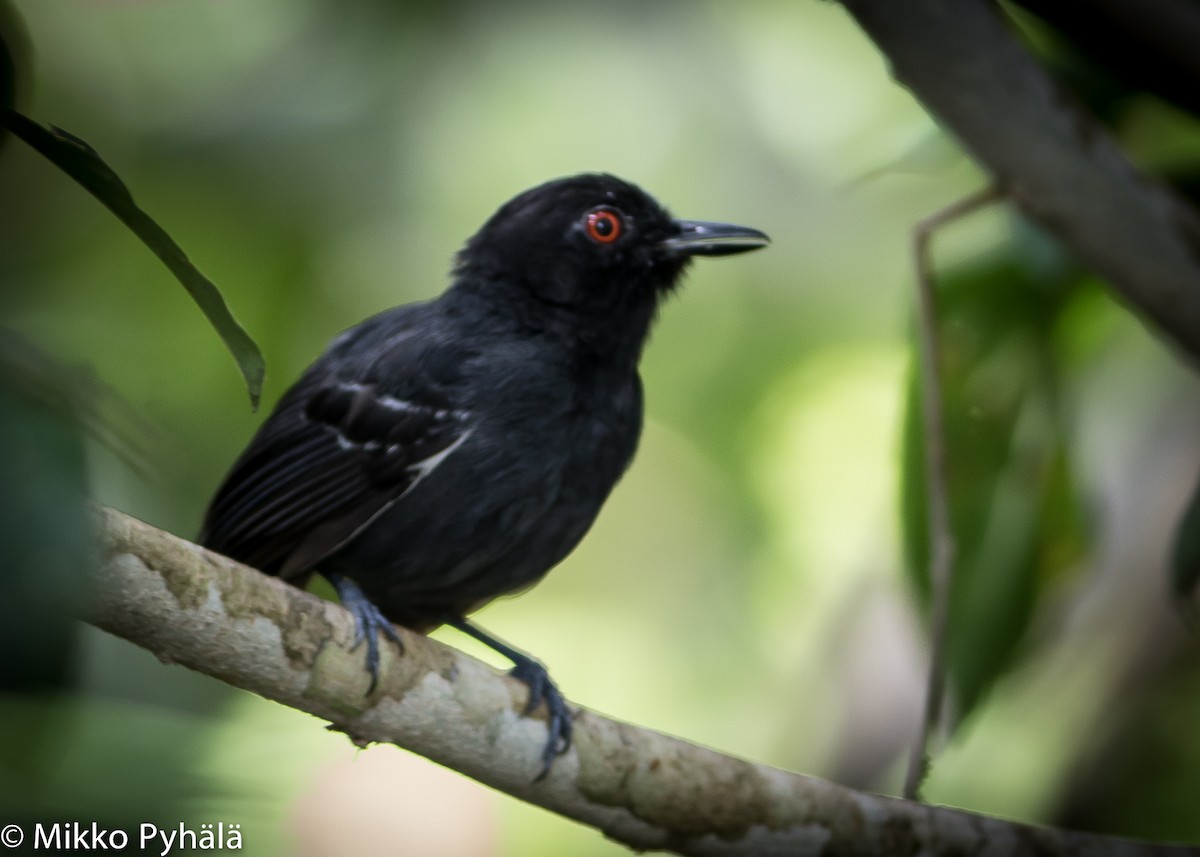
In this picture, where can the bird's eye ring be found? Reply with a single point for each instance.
(603, 225)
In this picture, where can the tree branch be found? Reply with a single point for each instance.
(1050, 156)
(641, 788)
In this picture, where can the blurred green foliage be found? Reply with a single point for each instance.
(1014, 507)
(45, 530)
(745, 586)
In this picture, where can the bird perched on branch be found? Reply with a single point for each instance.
(441, 454)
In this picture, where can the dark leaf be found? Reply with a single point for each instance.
(14, 52)
(1185, 559)
(78, 160)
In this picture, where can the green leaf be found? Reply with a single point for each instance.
(1014, 510)
(78, 160)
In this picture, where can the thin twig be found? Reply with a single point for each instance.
(941, 535)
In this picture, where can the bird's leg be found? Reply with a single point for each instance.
(368, 623)
(541, 689)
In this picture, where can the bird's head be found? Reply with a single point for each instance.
(594, 246)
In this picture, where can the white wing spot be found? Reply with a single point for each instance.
(425, 467)
(394, 404)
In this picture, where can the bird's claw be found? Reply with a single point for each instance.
(541, 690)
(558, 716)
(369, 623)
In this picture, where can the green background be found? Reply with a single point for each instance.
(746, 585)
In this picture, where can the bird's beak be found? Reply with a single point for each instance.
(701, 238)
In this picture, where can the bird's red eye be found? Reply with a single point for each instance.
(603, 225)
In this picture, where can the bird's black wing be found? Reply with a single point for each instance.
(333, 456)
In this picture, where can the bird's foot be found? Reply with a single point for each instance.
(558, 716)
(541, 689)
(369, 623)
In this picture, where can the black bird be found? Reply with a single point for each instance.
(440, 454)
